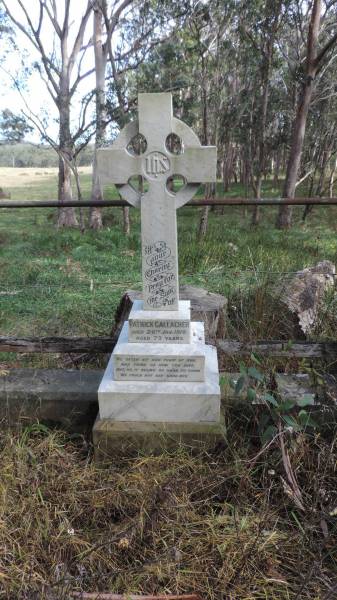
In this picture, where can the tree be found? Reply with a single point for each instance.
(60, 67)
(124, 35)
(314, 61)
(13, 127)
(104, 27)
(261, 35)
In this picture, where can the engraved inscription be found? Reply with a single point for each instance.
(156, 164)
(160, 276)
(159, 331)
(159, 368)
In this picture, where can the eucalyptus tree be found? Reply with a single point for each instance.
(124, 38)
(319, 40)
(259, 25)
(13, 127)
(59, 42)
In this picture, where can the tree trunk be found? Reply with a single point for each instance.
(203, 223)
(126, 220)
(267, 51)
(332, 177)
(227, 168)
(285, 212)
(277, 165)
(100, 69)
(67, 216)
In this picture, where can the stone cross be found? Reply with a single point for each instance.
(158, 204)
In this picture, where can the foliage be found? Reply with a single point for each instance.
(41, 156)
(280, 413)
(13, 127)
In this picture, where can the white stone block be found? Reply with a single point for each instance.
(179, 402)
(159, 362)
(171, 327)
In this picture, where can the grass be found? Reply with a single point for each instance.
(69, 283)
(219, 524)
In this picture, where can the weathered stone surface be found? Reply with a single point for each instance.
(149, 326)
(165, 401)
(113, 438)
(196, 164)
(59, 397)
(205, 306)
(303, 294)
(160, 362)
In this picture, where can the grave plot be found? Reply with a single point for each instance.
(225, 507)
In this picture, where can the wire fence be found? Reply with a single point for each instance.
(230, 201)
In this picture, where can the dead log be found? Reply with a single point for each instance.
(108, 596)
(326, 351)
(279, 349)
(57, 344)
(205, 306)
(300, 298)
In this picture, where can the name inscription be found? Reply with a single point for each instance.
(159, 331)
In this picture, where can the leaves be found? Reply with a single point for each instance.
(291, 422)
(255, 374)
(307, 400)
(251, 395)
(270, 399)
(240, 384)
(269, 434)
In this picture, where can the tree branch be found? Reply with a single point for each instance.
(80, 34)
(325, 49)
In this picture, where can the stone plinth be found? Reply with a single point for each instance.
(163, 401)
(159, 362)
(113, 438)
(171, 327)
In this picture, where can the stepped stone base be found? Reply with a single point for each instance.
(160, 387)
(163, 401)
(113, 438)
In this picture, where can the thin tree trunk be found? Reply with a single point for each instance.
(95, 219)
(277, 164)
(285, 212)
(67, 216)
(267, 51)
(332, 177)
(126, 220)
(203, 222)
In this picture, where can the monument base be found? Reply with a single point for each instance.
(121, 438)
(162, 401)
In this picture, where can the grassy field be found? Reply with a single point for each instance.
(220, 523)
(66, 283)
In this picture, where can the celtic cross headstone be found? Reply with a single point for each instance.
(161, 376)
(158, 165)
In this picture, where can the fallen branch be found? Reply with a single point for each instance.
(107, 596)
